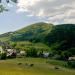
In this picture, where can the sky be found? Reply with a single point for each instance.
(26, 12)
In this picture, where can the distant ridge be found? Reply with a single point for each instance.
(31, 32)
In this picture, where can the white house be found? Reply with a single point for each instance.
(22, 52)
(10, 52)
(71, 58)
(45, 54)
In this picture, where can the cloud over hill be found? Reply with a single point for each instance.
(53, 10)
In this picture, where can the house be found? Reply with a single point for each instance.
(71, 58)
(22, 52)
(45, 54)
(11, 52)
(6, 48)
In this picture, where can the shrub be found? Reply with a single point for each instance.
(31, 65)
(62, 56)
(3, 56)
(56, 67)
(57, 57)
(40, 54)
(71, 64)
(19, 63)
(32, 52)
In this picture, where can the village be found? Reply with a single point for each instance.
(7, 51)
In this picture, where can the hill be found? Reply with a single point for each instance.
(32, 32)
(6, 36)
(29, 37)
(61, 39)
(64, 33)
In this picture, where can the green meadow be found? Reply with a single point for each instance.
(21, 66)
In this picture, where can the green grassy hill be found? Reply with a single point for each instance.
(29, 37)
(6, 36)
(60, 38)
(35, 32)
(26, 45)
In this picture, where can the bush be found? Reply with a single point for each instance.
(32, 52)
(40, 54)
(31, 65)
(71, 64)
(3, 56)
(72, 51)
(57, 57)
(62, 56)
(19, 63)
(56, 67)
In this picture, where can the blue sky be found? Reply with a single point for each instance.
(27, 12)
(13, 20)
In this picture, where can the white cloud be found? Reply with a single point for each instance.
(54, 10)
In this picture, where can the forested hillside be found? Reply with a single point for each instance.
(59, 38)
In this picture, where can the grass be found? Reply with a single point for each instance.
(57, 63)
(11, 67)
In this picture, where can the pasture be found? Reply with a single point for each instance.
(31, 66)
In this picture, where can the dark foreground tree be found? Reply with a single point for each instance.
(3, 8)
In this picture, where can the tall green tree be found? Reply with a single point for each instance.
(3, 8)
(15, 1)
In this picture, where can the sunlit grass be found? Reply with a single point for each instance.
(11, 67)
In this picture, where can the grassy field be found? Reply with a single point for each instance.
(21, 66)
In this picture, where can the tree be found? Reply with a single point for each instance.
(3, 56)
(71, 64)
(32, 52)
(3, 8)
(61, 40)
(15, 1)
(65, 55)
